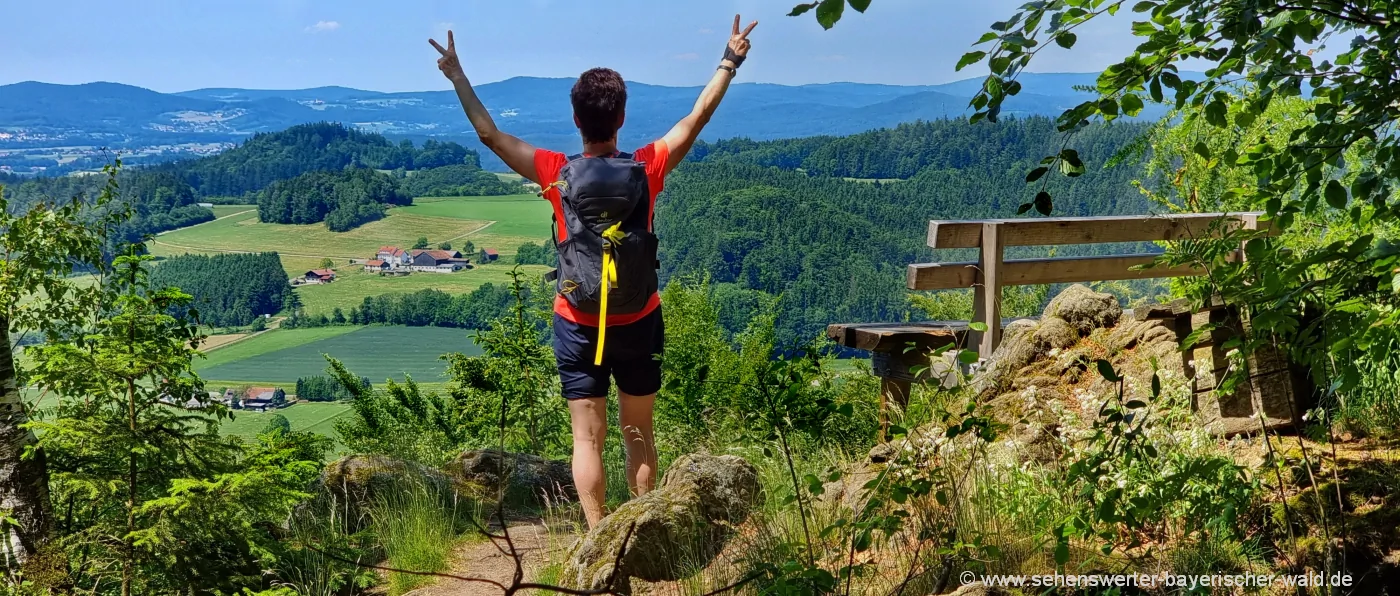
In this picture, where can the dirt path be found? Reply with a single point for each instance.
(273, 323)
(210, 221)
(488, 224)
(535, 543)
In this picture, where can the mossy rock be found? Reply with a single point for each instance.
(677, 528)
(525, 478)
(1085, 309)
(350, 486)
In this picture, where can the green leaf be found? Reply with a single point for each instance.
(1395, 284)
(978, 326)
(1155, 88)
(970, 58)
(1156, 386)
(1071, 156)
(1336, 195)
(967, 356)
(1144, 6)
(1023, 208)
(1066, 39)
(1036, 174)
(802, 8)
(1000, 64)
(1106, 369)
(1135, 404)
(1201, 149)
(859, 5)
(1061, 553)
(1132, 104)
(1144, 28)
(829, 11)
(1043, 203)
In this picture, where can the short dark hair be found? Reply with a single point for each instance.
(599, 98)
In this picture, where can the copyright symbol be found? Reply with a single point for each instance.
(967, 577)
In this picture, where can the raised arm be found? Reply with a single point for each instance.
(517, 154)
(684, 133)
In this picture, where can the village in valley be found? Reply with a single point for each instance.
(392, 261)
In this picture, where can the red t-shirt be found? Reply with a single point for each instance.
(547, 167)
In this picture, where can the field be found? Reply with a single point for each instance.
(227, 210)
(352, 285)
(317, 417)
(500, 223)
(280, 356)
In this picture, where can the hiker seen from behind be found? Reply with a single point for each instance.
(607, 312)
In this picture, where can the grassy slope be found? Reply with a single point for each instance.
(227, 210)
(282, 356)
(315, 417)
(501, 223)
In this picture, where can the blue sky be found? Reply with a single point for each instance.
(175, 45)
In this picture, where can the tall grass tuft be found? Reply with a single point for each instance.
(417, 531)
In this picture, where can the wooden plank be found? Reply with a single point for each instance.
(1084, 230)
(890, 337)
(986, 301)
(940, 276)
(1021, 272)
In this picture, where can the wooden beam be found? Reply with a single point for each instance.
(1085, 230)
(986, 299)
(896, 337)
(1022, 272)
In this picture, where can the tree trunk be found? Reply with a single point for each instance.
(24, 483)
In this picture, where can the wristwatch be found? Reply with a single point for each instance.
(731, 69)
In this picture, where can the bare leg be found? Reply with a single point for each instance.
(590, 421)
(636, 419)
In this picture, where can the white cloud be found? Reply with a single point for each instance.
(687, 56)
(323, 26)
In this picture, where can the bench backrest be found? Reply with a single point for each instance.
(991, 271)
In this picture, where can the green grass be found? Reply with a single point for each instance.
(271, 341)
(244, 233)
(316, 417)
(227, 210)
(519, 218)
(376, 352)
(500, 223)
(351, 286)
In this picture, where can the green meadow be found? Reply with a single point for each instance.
(499, 223)
(316, 417)
(281, 356)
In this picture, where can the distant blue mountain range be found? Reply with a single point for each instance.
(537, 109)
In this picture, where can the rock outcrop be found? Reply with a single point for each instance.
(351, 485)
(682, 525)
(527, 478)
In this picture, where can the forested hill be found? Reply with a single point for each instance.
(782, 217)
(311, 158)
(269, 157)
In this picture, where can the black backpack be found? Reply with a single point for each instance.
(606, 205)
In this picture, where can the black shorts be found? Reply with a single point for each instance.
(632, 356)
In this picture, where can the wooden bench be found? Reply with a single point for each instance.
(899, 351)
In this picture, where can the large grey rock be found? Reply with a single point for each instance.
(1085, 309)
(525, 477)
(350, 486)
(679, 526)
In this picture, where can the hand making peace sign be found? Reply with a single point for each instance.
(448, 63)
(739, 42)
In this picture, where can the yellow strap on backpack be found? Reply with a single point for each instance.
(611, 236)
